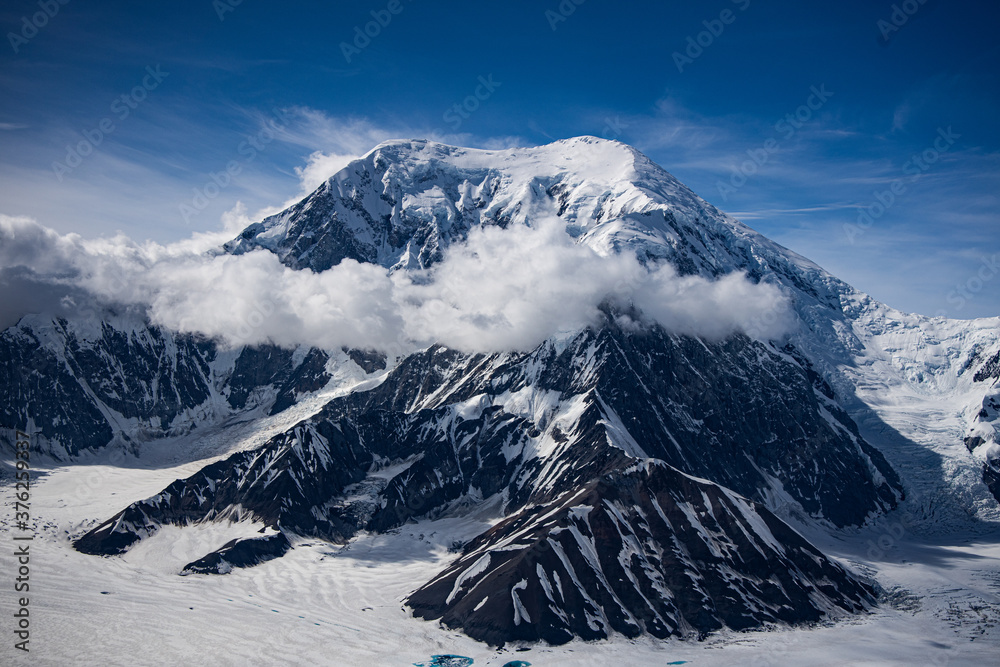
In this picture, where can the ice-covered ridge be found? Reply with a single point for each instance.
(404, 202)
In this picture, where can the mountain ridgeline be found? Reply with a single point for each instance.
(637, 474)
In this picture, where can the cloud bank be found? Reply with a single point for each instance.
(502, 290)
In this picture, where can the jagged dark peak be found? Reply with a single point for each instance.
(645, 549)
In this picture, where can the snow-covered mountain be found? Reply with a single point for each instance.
(638, 478)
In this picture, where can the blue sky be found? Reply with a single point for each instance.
(196, 86)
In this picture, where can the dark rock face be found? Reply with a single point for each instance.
(254, 368)
(623, 419)
(28, 370)
(323, 212)
(279, 485)
(730, 412)
(991, 477)
(77, 391)
(990, 370)
(369, 362)
(240, 553)
(298, 480)
(742, 416)
(135, 382)
(642, 550)
(269, 366)
(986, 425)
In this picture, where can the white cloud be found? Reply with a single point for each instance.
(502, 290)
(253, 298)
(714, 309)
(513, 288)
(319, 168)
(509, 289)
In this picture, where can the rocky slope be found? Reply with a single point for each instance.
(445, 431)
(645, 549)
(81, 385)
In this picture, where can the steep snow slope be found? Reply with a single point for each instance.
(934, 381)
(402, 205)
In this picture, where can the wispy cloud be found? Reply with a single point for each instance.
(758, 214)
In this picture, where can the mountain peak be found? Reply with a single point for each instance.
(404, 202)
(588, 156)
